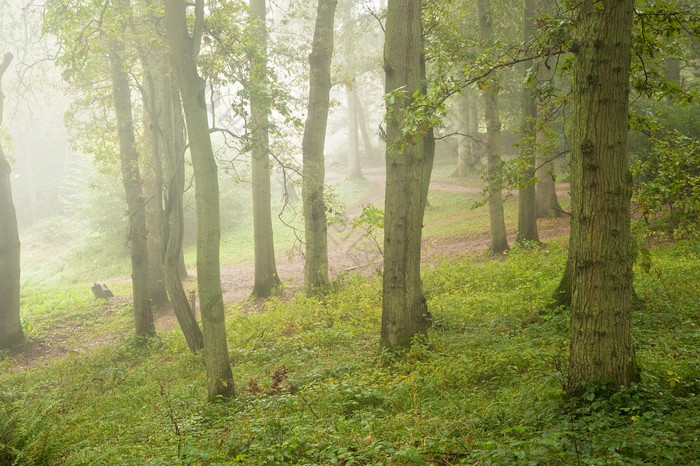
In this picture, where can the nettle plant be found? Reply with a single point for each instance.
(667, 187)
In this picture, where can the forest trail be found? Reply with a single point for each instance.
(349, 250)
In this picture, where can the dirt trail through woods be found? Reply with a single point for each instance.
(348, 250)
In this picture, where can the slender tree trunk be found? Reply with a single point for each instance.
(462, 110)
(354, 170)
(173, 128)
(10, 324)
(184, 50)
(153, 182)
(370, 152)
(408, 168)
(313, 143)
(527, 201)
(266, 279)
(601, 348)
(131, 178)
(547, 202)
(499, 241)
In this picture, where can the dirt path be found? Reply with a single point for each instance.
(348, 249)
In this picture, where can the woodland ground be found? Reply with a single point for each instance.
(484, 387)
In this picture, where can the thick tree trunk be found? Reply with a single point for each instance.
(527, 201)
(313, 143)
(173, 128)
(131, 178)
(354, 170)
(266, 279)
(408, 168)
(183, 52)
(499, 241)
(602, 348)
(10, 324)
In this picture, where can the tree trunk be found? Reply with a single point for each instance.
(184, 50)
(266, 279)
(370, 152)
(527, 201)
(315, 227)
(499, 241)
(547, 202)
(408, 168)
(10, 324)
(601, 348)
(354, 170)
(463, 140)
(174, 140)
(153, 182)
(131, 178)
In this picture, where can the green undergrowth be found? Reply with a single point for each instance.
(483, 387)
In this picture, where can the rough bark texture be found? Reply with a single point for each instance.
(131, 178)
(266, 279)
(313, 143)
(527, 201)
(172, 125)
(408, 168)
(499, 241)
(602, 348)
(183, 52)
(10, 324)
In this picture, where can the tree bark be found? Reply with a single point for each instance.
(370, 152)
(173, 129)
(184, 50)
(131, 178)
(313, 143)
(601, 348)
(527, 201)
(408, 168)
(10, 323)
(499, 241)
(266, 278)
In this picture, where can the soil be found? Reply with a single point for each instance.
(349, 251)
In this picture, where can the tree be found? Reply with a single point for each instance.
(266, 279)
(601, 348)
(131, 178)
(354, 170)
(409, 160)
(527, 201)
(313, 142)
(10, 324)
(184, 49)
(499, 241)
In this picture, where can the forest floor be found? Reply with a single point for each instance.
(349, 251)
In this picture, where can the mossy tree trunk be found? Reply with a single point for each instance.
(313, 143)
(266, 278)
(10, 324)
(408, 168)
(527, 200)
(131, 178)
(601, 348)
(499, 241)
(184, 49)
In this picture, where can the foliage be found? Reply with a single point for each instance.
(668, 183)
(484, 386)
(371, 220)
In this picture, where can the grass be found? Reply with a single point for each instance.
(485, 385)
